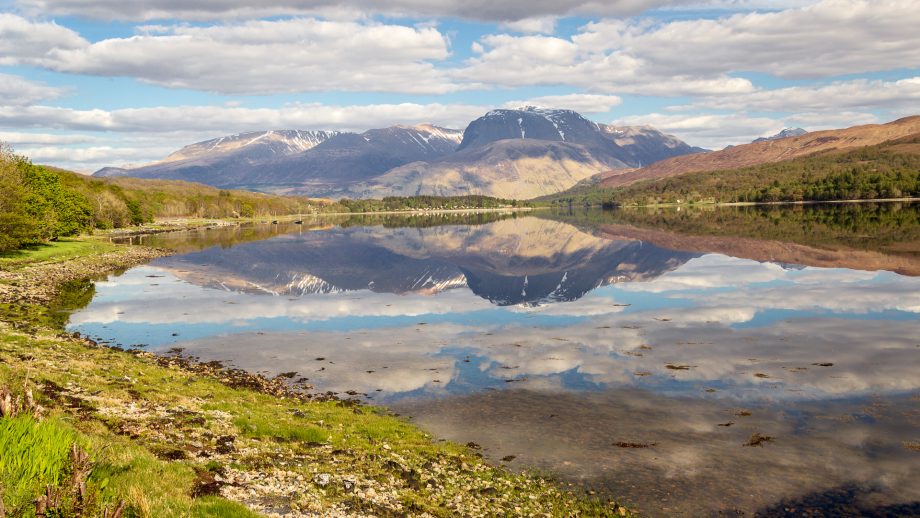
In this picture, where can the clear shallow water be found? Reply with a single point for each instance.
(554, 339)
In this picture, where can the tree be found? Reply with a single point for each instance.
(59, 211)
(16, 228)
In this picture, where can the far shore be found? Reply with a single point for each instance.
(763, 203)
(162, 225)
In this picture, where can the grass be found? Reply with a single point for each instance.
(33, 454)
(55, 251)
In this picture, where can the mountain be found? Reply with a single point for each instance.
(620, 146)
(543, 125)
(525, 153)
(108, 172)
(645, 145)
(206, 160)
(767, 151)
(788, 132)
(518, 154)
(508, 169)
(292, 162)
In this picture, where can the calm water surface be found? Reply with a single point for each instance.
(637, 353)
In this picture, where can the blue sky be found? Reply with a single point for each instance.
(85, 84)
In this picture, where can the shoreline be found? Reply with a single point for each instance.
(233, 441)
(165, 225)
(766, 203)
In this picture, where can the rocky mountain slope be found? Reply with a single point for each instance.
(519, 154)
(768, 151)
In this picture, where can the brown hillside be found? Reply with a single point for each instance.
(768, 151)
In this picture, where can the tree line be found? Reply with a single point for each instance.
(395, 203)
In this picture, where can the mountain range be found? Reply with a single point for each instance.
(517, 154)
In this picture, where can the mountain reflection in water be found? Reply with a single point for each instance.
(624, 356)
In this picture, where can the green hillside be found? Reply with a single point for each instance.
(887, 170)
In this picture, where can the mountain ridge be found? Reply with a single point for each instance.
(543, 150)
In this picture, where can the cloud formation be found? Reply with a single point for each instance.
(253, 57)
(486, 10)
(18, 91)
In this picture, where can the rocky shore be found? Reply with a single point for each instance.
(39, 283)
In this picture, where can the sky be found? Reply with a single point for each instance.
(91, 83)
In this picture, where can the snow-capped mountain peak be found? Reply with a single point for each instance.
(257, 143)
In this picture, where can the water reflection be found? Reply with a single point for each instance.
(514, 261)
(553, 342)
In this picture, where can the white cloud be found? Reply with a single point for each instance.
(700, 56)
(542, 25)
(20, 138)
(712, 131)
(685, 57)
(516, 61)
(15, 90)
(490, 10)
(222, 120)
(830, 120)
(830, 38)
(22, 40)
(254, 57)
(858, 94)
(79, 157)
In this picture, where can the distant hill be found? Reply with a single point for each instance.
(788, 132)
(890, 169)
(507, 153)
(767, 151)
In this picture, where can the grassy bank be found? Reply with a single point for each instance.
(115, 433)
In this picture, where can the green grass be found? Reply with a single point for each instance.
(55, 251)
(269, 426)
(33, 454)
(212, 506)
